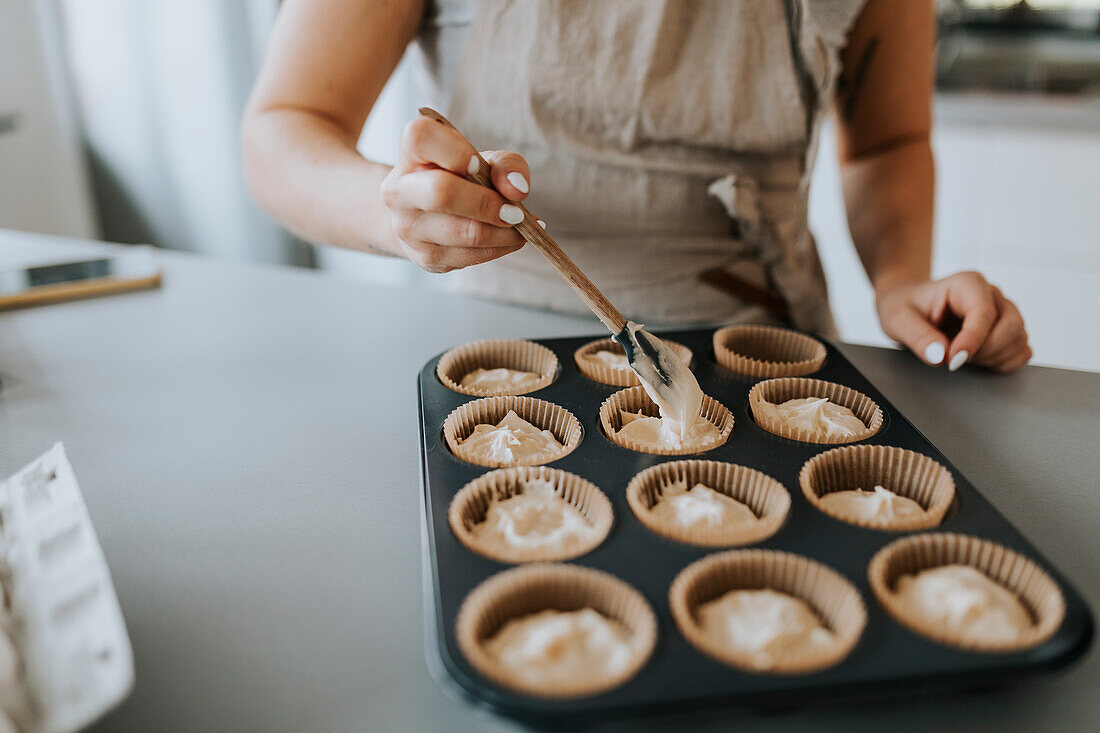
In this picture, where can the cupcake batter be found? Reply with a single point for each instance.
(512, 441)
(700, 506)
(555, 647)
(966, 601)
(665, 432)
(499, 380)
(610, 359)
(536, 518)
(880, 504)
(820, 417)
(765, 624)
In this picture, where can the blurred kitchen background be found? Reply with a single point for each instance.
(119, 121)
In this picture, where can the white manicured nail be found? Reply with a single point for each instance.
(958, 360)
(511, 214)
(474, 166)
(934, 353)
(516, 179)
(541, 223)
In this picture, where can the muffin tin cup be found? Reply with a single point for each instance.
(525, 356)
(767, 351)
(832, 598)
(470, 504)
(777, 391)
(529, 589)
(906, 473)
(596, 370)
(1038, 592)
(765, 496)
(491, 410)
(635, 399)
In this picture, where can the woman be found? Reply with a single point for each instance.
(671, 145)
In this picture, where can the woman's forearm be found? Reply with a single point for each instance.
(304, 170)
(889, 194)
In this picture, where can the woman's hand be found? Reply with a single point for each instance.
(445, 222)
(961, 318)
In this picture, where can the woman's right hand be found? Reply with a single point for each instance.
(443, 221)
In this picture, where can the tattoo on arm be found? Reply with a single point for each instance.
(849, 88)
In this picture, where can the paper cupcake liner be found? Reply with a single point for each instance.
(598, 371)
(835, 600)
(1032, 585)
(767, 351)
(635, 399)
(470, 504)
(906, 473)
(778, 391)
(532, 588)
(765, 496)
(515, 354)
(491, 410)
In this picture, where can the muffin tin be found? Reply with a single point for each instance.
(888, 659)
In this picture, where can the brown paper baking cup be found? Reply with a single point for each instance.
(778, 391)
(1039, 593)
(767, 351)
(835, 600)
(596, 370)
(491, 410)
(765, 496)
(906, 473)
(469, 506)
(525, 356)
(635, 399)
(529, 589)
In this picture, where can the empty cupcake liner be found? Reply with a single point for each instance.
(635, 399)
(491, 410)
(517, 354)
(835, 600)
(470, 504)
(1032, 585)
(597, 371)
(907, 473)
(767, 351)
(779, 390)
(765, 496)
(529, 589)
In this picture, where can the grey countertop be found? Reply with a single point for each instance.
(246, 442)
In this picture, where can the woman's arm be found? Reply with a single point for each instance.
(883, 111)
(326, 64)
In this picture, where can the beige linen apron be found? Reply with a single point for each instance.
(669, 143)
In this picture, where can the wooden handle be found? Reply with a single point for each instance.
(531, 231)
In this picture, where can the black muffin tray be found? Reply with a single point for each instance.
(889, 660)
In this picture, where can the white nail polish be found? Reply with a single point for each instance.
(516, 179)
(541, 223)
(474, 166)
(958, 360)
(934, 353)
(511, 214)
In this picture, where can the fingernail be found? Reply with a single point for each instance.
(934, 353)
(511, 214)
(474, 166)
(516, 179)
(541, 223)
(958, 360)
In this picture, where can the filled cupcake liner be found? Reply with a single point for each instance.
(767, 351)
(470, 504)
(529, 589)
(765, 496)
(517, 354)
(835, 601)
(597, 371)
(907, 473)
(779, 390)
(1032, 585)
(491, 410)
(635, 399)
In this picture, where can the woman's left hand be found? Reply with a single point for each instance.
(924, 317)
